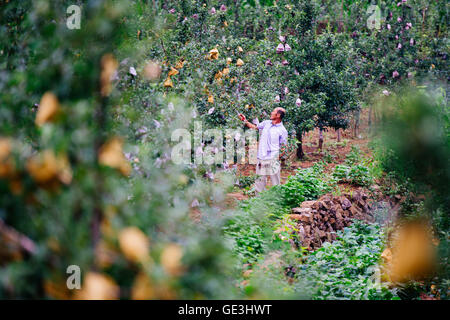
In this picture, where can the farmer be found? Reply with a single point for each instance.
(272, 142)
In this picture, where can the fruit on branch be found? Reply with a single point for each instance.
(48, 109)
(111, 155)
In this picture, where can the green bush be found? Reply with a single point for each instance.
(354, 156)
(245, 181)
(356, 174)
(341, 172)
(249, 243)
(81, 201)
(306, 184)
(360, 175)
(347, 268)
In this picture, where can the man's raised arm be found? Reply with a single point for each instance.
(247, 123)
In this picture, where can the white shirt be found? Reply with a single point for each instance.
(271, 136)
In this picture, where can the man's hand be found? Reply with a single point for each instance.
(248, 124)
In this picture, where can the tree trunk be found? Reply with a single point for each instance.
(341, 23)
(320, 139)
(338, 131)
(356, 126)
(101, 119)
(236, 15)
(300, 153)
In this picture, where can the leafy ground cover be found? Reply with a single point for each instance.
(349, 267)
(345, 269)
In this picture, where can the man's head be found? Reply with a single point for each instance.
(277, 114)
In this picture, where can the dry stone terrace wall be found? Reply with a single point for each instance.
(317, 221)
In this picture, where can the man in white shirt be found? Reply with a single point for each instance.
(272, 141)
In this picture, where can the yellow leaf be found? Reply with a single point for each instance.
(97, 286)
(218, 75)
(111, 155)
(46, 168)
(183, 179)
(172, 72)
(108, 65)
(168, 83)
(171, 259)
(213, 54)
(180, 64)
(48, 109)
(211, 98)
(225, 71)
(7, 167)
(239, 62)
(142, 288)
(134, 244)
(240, 49)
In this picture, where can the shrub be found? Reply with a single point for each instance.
(245, 181)
(354, 156)
(306, 184)
(360, 175)
(356, 174)
(347, 268)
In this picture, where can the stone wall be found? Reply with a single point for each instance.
(317, 221)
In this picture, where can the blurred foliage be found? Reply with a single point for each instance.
(415, 143)
(347, 268)
(306, 184)
(86, 115)
(62, 184)
(414, 149)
